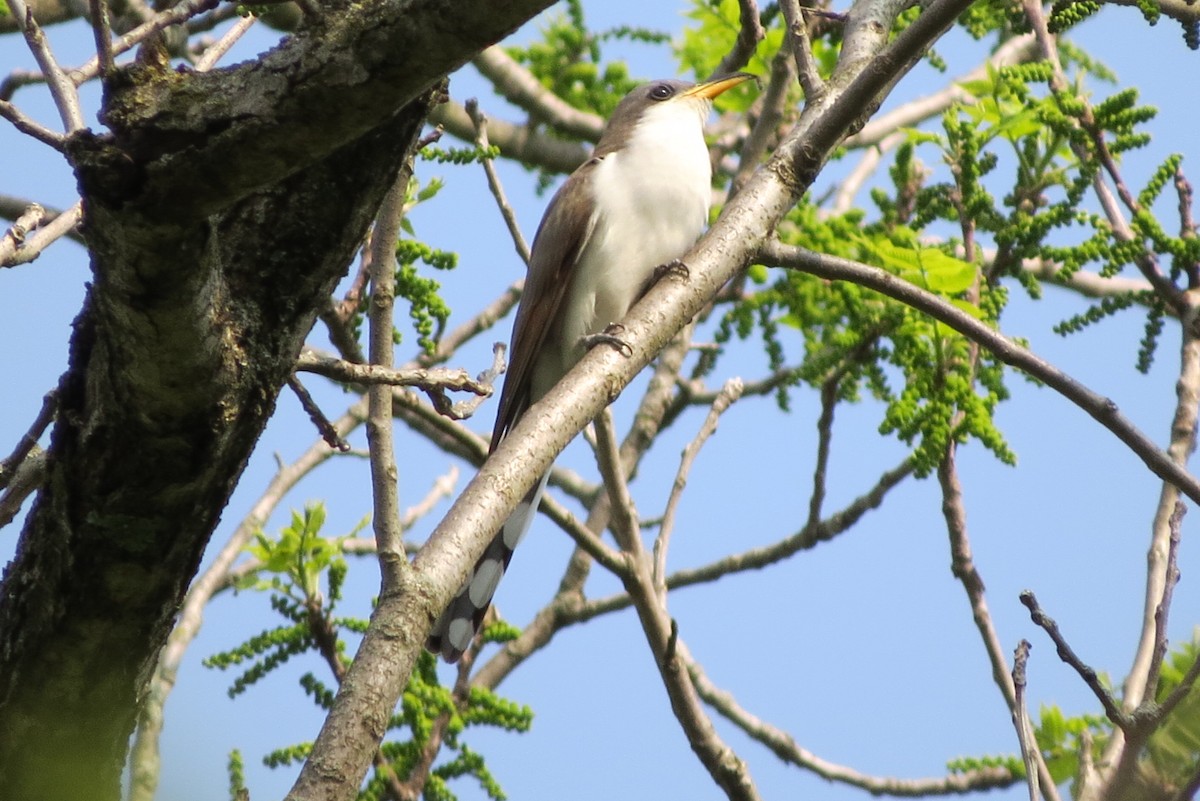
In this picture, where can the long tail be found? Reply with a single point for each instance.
(455, 629)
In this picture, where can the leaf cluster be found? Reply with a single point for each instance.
(291, 567)
(568, 60)
(714, 29)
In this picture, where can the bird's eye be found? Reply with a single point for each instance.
(661, 91)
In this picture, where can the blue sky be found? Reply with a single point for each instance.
(863, 649)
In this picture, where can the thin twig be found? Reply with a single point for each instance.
(214, 53)
(750, 33)
(757, 558)
(829, 398)
(102, 29)
(62, 225)
(625, 520)
(29, 439)
(427, 379)
(963, 568)
(489, 168)
(1021, 718)
(807, 71)
(771, 110)
(165, 19)
(66, 99)
(784, 746)
(14, 237)
(728, 396)
(1040, 619)
(519, 86)
(30, 127)
(326, 429)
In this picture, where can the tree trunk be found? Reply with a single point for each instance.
(219, 217)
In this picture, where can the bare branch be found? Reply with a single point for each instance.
(829, 399)
(427, 379)
(625, 520)
(517, 85)
(1138, 685)
(506, 211)
(14, 237)
(786, 748)
(384, 474)
(16, 79)
(963, 568)
(806, 64)
(66, 99)
(11, 208)
(1021, 719)
(1187, 223)
(27, 479)
(214, 53)
(750, 33)
(29, 439)
(102, 29)
(326, 429)
(1040, 619)
(62, 225)
(31, 127)
(758, 558)
(728, 396)
(518, 142)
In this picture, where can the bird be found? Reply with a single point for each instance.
(636, 205)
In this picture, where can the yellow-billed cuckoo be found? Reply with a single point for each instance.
(638, 203)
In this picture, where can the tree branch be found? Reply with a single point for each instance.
(786, 748)
(384, 474)
(1100, 408)
(750, 33)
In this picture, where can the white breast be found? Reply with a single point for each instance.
(652, 198)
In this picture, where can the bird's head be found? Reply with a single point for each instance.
(665, 101)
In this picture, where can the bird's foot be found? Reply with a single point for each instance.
(675, 267)
(609, 336)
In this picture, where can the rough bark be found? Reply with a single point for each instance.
(219, 216)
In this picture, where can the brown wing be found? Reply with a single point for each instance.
(560, 238)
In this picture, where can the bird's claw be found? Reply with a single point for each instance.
(675, 267)
(608, 337)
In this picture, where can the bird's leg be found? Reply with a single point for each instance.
(609, 336)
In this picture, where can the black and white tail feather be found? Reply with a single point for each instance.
(456, 628)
